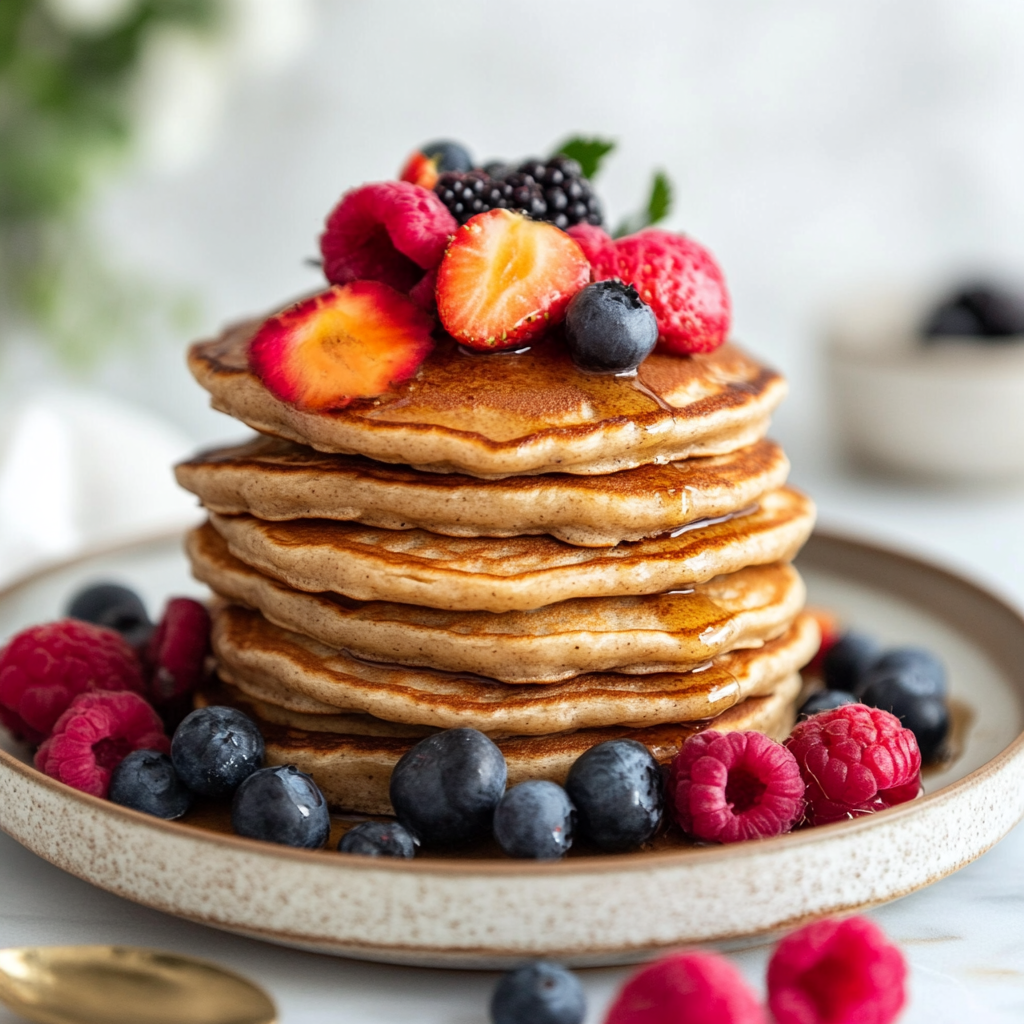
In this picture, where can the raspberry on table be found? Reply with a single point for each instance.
(728, 787)
(95, 734)
(837, 972)
(687, 988)
(855, 760)
(44, 668)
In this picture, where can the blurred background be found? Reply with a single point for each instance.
(166, 166)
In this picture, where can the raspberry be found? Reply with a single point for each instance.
(44, 668)
(855, 760)
(837, 972)
(599, 248)
(177, 650)
(727, 787)
(687, 988)
(680, 280)
(95, 734)
(389, 231)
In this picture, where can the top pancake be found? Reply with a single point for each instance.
(277, 480)
(500, 415)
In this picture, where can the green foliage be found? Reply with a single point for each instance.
(65, 122)
(587, 152)
(659, 205)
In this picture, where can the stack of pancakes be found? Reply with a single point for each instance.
(506, 543)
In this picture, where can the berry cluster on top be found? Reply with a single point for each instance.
(494, 258)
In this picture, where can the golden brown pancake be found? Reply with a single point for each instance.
(510, 415)
(275, 480)
(353, 769)
(514, 573)
(667, 632)
(300, 674)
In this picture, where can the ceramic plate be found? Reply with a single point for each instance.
(586, 910)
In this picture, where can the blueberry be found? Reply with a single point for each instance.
(281, 805)
(825, 700)
(616, 787)
(113, 606)
(215, 749)
(542, 993)
(146, 781)
(450, 156)
(979, 310)
(920, 671)
(535, 819)
(848, 660)
(445, 789)
(378, 839)
(927, 716)
(609, 328)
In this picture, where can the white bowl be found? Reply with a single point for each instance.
(951, 410)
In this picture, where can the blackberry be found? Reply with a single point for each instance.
(555, 191)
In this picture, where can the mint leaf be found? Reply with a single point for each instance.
(659, 204)
(587, 152)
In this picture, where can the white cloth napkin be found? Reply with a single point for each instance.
(80, 470)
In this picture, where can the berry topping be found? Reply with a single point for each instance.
(925, 715)
(113, 606)
(688, 988)
(825, 700)
(177, 651)
(433, 159)
(95, 734)
(505, 279)
(848, 660)
(281, 805)
(44, 668)
(682, 283)
(609, 328)
(389, 231)
(535, 819)
(540, 993)
(727, 787)
(599, 248)
(215, 749)
(919, 670)
(553, 191)
(978, 311)
(353, 341)
(146, 781)
(855, 760)
(837, 972)
(378, 839)
(444, 790)
(616, 787)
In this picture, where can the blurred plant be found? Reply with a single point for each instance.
(67, 72)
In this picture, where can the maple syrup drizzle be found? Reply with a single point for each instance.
(467, 351)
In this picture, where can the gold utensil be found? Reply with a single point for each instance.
(126, 985)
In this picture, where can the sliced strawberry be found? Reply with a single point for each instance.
(352, 341)
(504, 279)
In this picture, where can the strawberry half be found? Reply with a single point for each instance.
(504, 279)
(352, 341)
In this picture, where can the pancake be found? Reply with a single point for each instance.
(514, 414)
(664, 632)
(515, 573)
(274, 480)
(274, 665)
(354, 769)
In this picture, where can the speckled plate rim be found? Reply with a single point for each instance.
(486, 914)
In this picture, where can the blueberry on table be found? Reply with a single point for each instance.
(542, 993)
(281, 805)
(609, 328)
(146, 781)
(444, 790)
(113, 606)
(535, 819)
(848, 660)
(925, 715)
(918, 669)
(824, 700)
(616, 787)
(216, 749)
(378, 839)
